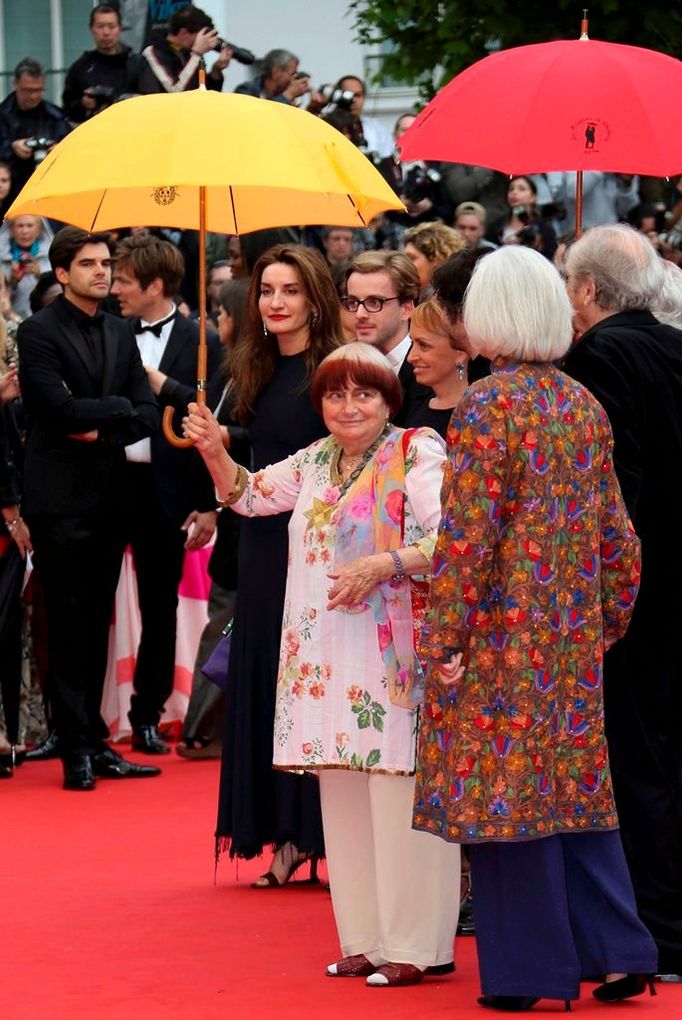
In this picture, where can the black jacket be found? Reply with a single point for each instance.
(46, 120)
(183, 484)
(414, 394)
(63, 395)
(119, 72)
(633, 366)
(167, 69)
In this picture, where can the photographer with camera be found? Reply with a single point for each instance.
(100, 76)
(524, 223)
(280, 79)
(172, 64)
(419, 185)
(378, 143)
(29, 125)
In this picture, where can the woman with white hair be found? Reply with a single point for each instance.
(534, 573)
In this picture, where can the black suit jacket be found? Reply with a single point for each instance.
(414, 394)
(63, 394)
(182, 482)
(633, 366)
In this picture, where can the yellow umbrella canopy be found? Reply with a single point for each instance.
(143, 162)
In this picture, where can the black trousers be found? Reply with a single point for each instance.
(643, 713)
(79, 559)
(158, 552)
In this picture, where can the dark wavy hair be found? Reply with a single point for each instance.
(253, 360)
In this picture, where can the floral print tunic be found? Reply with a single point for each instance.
(536, 565)
(333, 709)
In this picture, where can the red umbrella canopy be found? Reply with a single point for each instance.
(570, 105)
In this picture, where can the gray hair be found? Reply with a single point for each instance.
(30, 67)
(621, 262)
(667, 305)
(516, 306)
(277, 58)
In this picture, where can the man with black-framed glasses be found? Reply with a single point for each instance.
(381, 290)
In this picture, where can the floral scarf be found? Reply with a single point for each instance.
(369, 521)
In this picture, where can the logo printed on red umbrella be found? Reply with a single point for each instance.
(591, 133)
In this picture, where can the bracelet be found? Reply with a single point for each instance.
(399, 567)
(240, 482)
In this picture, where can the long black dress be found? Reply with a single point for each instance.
(257, 805)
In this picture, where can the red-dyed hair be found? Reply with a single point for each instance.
(356, 364)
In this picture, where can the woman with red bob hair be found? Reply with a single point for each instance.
(365, 510)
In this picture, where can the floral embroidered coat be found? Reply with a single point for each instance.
(333, 709)
(536, 566)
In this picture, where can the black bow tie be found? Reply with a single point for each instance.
(156, 328)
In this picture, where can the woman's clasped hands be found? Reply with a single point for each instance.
(352, 584)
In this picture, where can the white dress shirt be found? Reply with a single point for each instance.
(399, 353)
(151, 350)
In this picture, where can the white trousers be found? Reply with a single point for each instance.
(395, 891)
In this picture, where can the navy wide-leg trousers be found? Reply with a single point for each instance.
(552, 912)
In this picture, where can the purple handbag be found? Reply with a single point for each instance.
(215, 667)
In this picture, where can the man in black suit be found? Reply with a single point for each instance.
(381, 290)
(171, 495)
(86, 396)
(633, 365)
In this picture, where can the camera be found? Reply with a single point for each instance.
(531, 237)
(522, 213)
(40, 147)
(341, 97)
(102, 94)
(241, 55)
(420, 182)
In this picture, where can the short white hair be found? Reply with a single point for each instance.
(667, 305)
(621, 262)
(516, 306)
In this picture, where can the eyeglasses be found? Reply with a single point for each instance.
(370, 304)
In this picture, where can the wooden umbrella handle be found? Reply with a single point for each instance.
(202, 350)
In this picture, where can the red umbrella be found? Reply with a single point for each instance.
(570, 105)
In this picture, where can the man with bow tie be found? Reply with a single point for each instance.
(86, 397)
(171, 495)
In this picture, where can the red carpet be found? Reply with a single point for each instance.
(109, 911)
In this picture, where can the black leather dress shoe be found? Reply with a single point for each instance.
(78, 773)
(110, 765)
(45, 750)
(508, 1003)
(147, 740)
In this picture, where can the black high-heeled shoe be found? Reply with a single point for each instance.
(514, 1003)
(9, 761)
(270, 881)
(624, 988)
(508, 1003)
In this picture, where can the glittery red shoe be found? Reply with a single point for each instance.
(351, 966)
(395, 975)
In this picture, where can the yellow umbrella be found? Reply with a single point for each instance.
(262, 164)
(208, 161)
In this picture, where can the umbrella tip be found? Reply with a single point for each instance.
(583, 26)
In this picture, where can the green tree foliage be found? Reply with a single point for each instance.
(433, 40)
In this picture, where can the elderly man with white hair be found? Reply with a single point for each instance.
(632, 363)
